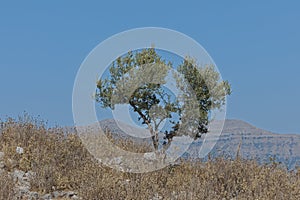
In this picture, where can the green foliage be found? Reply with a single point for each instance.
(138, 79)
(209, 92)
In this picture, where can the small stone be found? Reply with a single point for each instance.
(75, 197)
(151, 156)
(19, 150)
(34, 195)
(1, 156)
(46, 197)
(29, 175)
(22, 190)
(18, 175)
(2, 165)
(70, 194)
(157, 197)
(56, 194)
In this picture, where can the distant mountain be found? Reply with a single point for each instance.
(254, 143)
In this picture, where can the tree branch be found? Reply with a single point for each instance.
(140, 113)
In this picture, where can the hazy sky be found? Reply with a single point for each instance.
(255, 45)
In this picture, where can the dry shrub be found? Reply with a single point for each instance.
(60, 162)
(6, 186)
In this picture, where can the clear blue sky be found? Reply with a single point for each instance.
(255, 44)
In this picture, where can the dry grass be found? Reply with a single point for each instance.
(62, 163)
(6, 186)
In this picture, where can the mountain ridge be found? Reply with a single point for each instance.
(255, 143)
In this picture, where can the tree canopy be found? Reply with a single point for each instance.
(138, 79)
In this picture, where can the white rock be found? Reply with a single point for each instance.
(19, 150)
(18, 175)
(46, 197)
(150, 156)
(33, 195)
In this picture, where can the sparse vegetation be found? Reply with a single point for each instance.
(6, 186)
(60, 162)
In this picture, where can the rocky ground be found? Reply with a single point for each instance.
(22, 188)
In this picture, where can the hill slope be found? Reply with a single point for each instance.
(254, 143)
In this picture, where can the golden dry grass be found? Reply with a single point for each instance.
(62, 163)
(6, 186)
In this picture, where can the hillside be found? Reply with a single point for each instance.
(255, 143)
(41, 163)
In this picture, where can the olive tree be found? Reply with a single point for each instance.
(138, 79)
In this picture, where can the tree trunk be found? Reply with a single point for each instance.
(154, 138)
